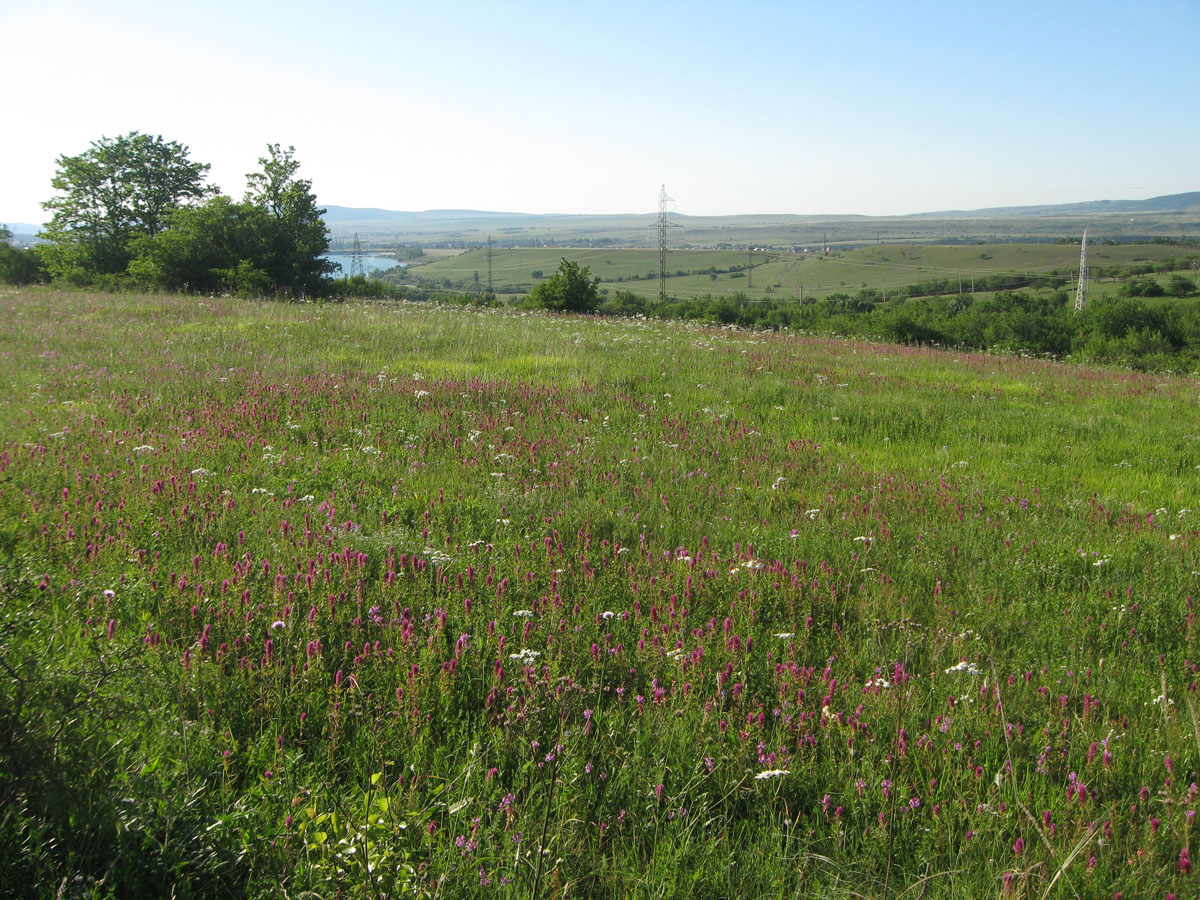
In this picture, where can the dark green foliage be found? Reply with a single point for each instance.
(129, 212)
(216, 247)
(1122, 330)
(86, 809)
(1179, 286)
(570, 289)
(270, 243)
(294, 235)
(20, 266)
(1142, 287)
(372, 288)
(624, 303)
(120, 190)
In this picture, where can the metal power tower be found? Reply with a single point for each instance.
(663, 225)
(356, 263)
(1081, 288)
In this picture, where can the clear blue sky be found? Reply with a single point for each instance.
(781, 107)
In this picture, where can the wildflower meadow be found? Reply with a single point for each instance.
(391, 600)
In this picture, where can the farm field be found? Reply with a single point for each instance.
(885, 267)
(369, 600)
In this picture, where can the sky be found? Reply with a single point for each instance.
(875, 108)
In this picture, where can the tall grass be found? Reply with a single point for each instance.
(367, 601)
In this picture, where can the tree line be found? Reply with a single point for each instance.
(135, 211)
(1155, 335)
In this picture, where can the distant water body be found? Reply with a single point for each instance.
(370, 263)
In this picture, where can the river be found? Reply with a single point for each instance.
(370, 264)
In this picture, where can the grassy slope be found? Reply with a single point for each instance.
(893, 511)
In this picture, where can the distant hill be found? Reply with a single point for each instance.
(1166, 203)
(335, 215)
(439, 220)
(22, 229)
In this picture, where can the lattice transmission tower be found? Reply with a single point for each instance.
(663, 225)
(356, 263)
(489, 257)
(1081, 287)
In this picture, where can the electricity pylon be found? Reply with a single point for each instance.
(1081, 287)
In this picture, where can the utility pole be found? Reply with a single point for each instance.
(489, 258)
(749, 268)
(1081, 287)
(663, 225)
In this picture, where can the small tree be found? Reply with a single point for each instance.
(1179, 286)
(570, 289)
(296, 236)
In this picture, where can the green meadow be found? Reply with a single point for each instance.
(369, 600)
(816, 274)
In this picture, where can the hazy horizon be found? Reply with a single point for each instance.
(516, 212)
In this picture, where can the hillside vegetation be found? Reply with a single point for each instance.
(365, 600)
(816, 274)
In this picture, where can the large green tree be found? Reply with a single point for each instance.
(216, 247)
(119, 190)
(269, 243)
(570, 289)
(295, 233)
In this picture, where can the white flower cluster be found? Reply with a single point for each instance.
(964, 666)
(752, 564)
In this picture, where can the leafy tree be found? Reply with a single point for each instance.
(570, 289)
(119, 190)
(215, 247)
(1179, 286)
(19, 266)
(270, 242)
(295, 236)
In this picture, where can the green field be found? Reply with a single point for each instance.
(392, 600)
(885, 267)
